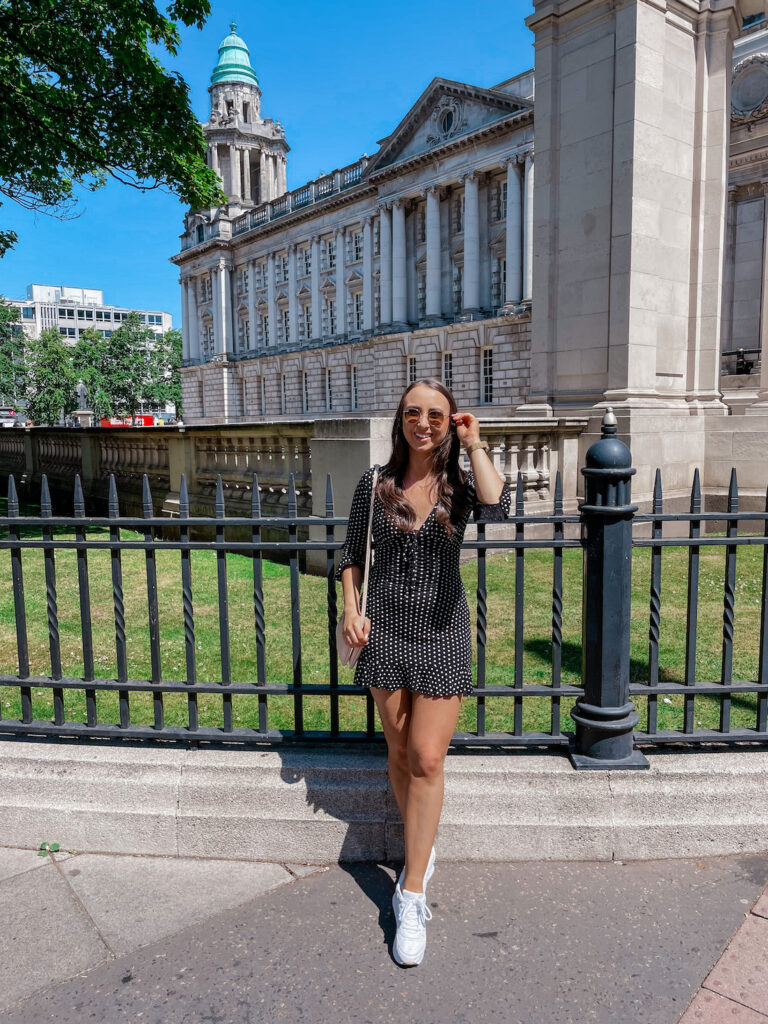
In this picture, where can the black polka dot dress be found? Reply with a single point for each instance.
(420, 636)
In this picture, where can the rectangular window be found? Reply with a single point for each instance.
(458, 215)
(376, 237)
(305, 323)
(263, 330)
(328, 259)
(357, 311)
(330, 309)
(503, 201)
(412, 378)
(357, 246)
(283, 402)
(458, 288)
(263, 395)
(200, 233)
(328, 390)
(285, 325)
(306, 261)
(28, 312)
(85, 314)
(353, 386)
(421, 225)
(448, 370)
(242, 281)
(305, 390)
(421, 293)
(487, 384)
(107, 334)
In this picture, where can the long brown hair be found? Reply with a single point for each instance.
(452, 498)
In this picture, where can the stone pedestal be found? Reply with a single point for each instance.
(345, 448)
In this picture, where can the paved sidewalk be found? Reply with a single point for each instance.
(155, 940)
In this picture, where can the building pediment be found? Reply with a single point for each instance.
(354, 278)
(304, 292)
(443, 112)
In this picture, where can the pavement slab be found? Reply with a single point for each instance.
(521, 943)
(741, 973)
(711, 1008)
(45, 936)
(134, 901)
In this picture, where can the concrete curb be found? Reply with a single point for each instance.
(325, 806)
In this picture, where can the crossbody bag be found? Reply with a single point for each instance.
(348, 655)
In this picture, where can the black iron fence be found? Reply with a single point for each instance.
(604, 697)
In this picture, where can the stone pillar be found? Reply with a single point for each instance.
(341, 287)
(184, 282)
(271, 300)
(234, 173)
(315, 284)
(471, 244)
(368, 273)
(293, 303)
(216, 310)
(514, 240)
(264, 193)
(223, 344)
(624, 314)
(214, 158)
(193, 321)
(433, 304)
(760, 407)
(253, 317)
(246, 158)
(385, 263)
(399, 275)
(528, 227)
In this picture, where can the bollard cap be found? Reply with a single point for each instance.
(609, 452)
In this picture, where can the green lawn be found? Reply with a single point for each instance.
(314, 635)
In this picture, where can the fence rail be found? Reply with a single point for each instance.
(607, 732)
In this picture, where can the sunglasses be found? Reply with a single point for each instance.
(435, 417)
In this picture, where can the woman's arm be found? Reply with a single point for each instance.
(488, 483)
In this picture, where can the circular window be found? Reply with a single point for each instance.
(446, 122)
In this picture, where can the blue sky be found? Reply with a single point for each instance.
(338, 76)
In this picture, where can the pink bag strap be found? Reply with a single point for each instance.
(368, 543)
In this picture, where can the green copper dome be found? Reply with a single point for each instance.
(234, 61)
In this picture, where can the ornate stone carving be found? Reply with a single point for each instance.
(446, 120)
(749, 89)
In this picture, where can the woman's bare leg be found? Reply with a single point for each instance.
(432, 724)
(394, 708)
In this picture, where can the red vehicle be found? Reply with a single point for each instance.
(125, 421)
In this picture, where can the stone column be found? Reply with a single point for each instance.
(399, 275)
(184, 282)
(271, 300)
(223, 300)
(471, 244)
(246, 158)
(368, 273)
(293, 303)
(264, 193)
(528, 227)
(252, 314)
(385, 263)
(341, 288)
(234, 173)
(214, 151)
(315, 285)
(514, 241)
(193, 345)
(433, 304)
(760, 407)
(216, 310)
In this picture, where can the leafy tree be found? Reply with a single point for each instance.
(83, 98)
(91, 363)
(129, 360)
(51, 380)
(164, 384)
(12, 369)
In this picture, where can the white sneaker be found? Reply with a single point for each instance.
(428, 874)
(411, 938)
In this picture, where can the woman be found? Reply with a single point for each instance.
(416, 647)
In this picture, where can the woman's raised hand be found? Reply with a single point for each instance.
(356, 630)
(467, 427)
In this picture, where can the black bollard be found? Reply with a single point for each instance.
(604, 716)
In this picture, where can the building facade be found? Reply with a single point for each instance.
(73, 310)
(414, 262)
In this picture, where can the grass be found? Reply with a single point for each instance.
(314, 635)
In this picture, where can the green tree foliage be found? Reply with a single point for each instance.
(164, 384)
(129, 365)
(12, 371)
(91, 364)
(51, 380)
(83, 97)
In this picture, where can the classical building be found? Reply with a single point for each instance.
(647, 218)
(73, 310)
(416, 261)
